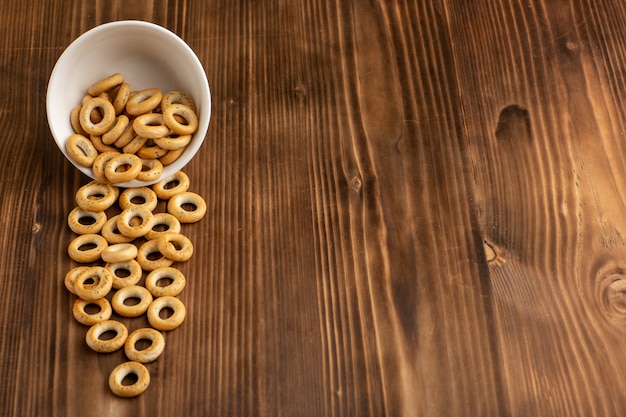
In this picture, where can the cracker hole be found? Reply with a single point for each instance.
(108, 335)
(189, 207)
(92, 309)
(142, 344)
(164, 282)
(166, 313)
(131, 301)
(130, 379)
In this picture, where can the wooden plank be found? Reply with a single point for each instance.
(540, 83)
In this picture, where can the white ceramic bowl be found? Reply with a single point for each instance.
(148, 56)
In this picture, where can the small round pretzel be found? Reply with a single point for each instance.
(143, 101)
(125, 221)
(172, 142)
(93, 283)
(100, 163)
(105, 84)
(112, 234)
(106, 345)
(176, 206)
(119, 252)
(126, 137)
(135, 144)
(150, 353)
(75, 121)
(119, 102)
(131, 292)
(91, 106)
(122, 168)
(103, 311)
(172, 185)
(138, 197)
(81, 150)
(96, 196)
(190, 124)
(171, 156)
(173, 97)
(150, 258)
(150, 150)
(131, 277)
(99, 145)
(175, 246)
(150, 125)
(71, 275)
(151, 169)
(124, 370)
(86, 248)
(170, 323)
(163, 223)
(120, 126)
(174, 281)
(76, 221)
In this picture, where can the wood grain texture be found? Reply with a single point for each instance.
(414, 209)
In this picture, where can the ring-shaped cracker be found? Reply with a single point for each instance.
(126, 223)
(86, 248)
(100, 163)
(163, 223)
(171, 156)
(147, 198)
(116, 175)
(119, 252)
(172, 185)
(150, 125)
(78, 226)
(171, 322)
(126, 137)
(175, 246)
(75, 121)
(81, 150)
(80, 313)
(100, 146)
(131, 291)
(190, 124)
(120, 126)
(175, 282)
(150, 150)
(173, 97)
(111, 232)
(124, 370)
(147, 259)
(176, 207)
(133, 269)
(172, 142)
(106, 84)
(150, 353)
(93, 283)
(106, 110)
(106, 345)
(134, 145)
(151, 169)
(71, 275)
(96, 196)
(119, 102)
(143, 101)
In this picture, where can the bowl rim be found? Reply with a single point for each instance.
(204, 90)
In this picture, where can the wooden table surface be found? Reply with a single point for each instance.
(415, 208)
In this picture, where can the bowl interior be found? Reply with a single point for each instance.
(148, 56)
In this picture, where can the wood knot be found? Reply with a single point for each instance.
(493, 254)
(612, 297)
(356, 183)
(300, 91)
